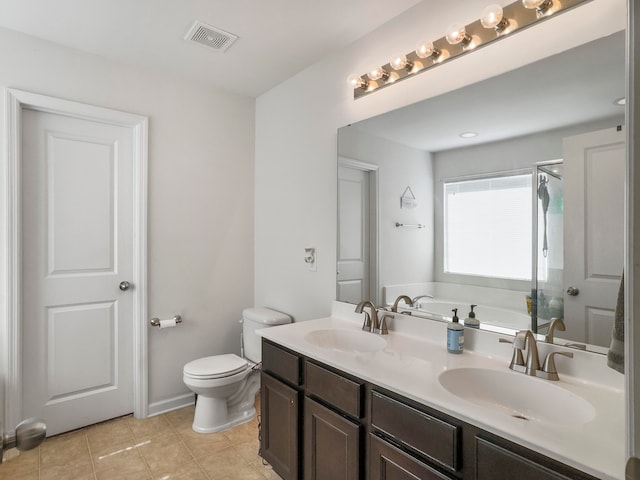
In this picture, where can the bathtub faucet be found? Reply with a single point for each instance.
(415, 299)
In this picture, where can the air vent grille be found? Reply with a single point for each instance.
(211, 37)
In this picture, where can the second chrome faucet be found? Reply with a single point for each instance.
(373, 323)
(526, 340)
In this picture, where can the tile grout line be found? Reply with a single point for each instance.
(202, 470)
(93, 466)
(135, 442)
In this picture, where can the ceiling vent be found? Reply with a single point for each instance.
(209, 36)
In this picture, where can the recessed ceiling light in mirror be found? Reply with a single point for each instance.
(468, 134)
(620, 101)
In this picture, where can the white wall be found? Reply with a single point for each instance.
(406, 254)
(296, 126)
(201, 184)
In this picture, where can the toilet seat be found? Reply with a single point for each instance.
(217, 366)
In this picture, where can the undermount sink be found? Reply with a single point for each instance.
(346, 340)
(517, 395)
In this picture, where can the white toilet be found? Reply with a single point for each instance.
(227, 384)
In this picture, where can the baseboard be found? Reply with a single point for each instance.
(164, 406)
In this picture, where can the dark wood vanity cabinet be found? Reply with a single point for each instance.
(321, 424)
(280, 401)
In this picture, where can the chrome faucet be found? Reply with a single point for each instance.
(404, 298)
(556, 324)
(525, 339)
(371, 323)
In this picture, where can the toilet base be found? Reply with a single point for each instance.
(211, 415)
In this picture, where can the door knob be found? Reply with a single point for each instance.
(124, 286)
(573, 291)
(28, 434)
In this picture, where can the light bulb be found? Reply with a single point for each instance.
(356, 81)
(398, 62)
(456, 34)
(541, 6)
(493, 17)
(427, 50)
(377, 73)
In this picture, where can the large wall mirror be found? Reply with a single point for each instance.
(507, 194)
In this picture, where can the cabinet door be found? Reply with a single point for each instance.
(280, 418)
(332, 444)
(387, 462)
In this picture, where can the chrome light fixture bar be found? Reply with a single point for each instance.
(494, 24)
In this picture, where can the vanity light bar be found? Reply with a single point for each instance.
(516, 16)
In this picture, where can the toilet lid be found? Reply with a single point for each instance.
(216, 366)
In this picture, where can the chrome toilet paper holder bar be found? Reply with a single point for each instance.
(155, 322)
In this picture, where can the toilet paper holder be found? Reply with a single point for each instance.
(155, 322)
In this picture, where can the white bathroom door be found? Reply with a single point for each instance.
(352, 277)
(77, 231)
(594, 164)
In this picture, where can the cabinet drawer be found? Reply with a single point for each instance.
(340, 392)
(496, 462)
(428, 435)
(387, 462)
(281, 363)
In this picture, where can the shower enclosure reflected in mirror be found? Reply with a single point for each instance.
(529, 208)
(548, 260)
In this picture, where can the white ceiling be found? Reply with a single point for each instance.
(277, 38)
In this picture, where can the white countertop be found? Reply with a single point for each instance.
(415, 355)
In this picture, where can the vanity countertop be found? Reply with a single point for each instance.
(415, 355)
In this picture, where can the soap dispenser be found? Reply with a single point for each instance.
(455, 334)
(471, 321)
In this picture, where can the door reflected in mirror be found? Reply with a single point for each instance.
(524, 220)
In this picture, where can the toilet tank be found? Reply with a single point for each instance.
(254, 319)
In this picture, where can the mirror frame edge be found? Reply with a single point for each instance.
(632, 247)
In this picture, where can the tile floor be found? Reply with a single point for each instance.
(162, 447)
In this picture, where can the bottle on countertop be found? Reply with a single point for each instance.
(471, 321)
(455, 334)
